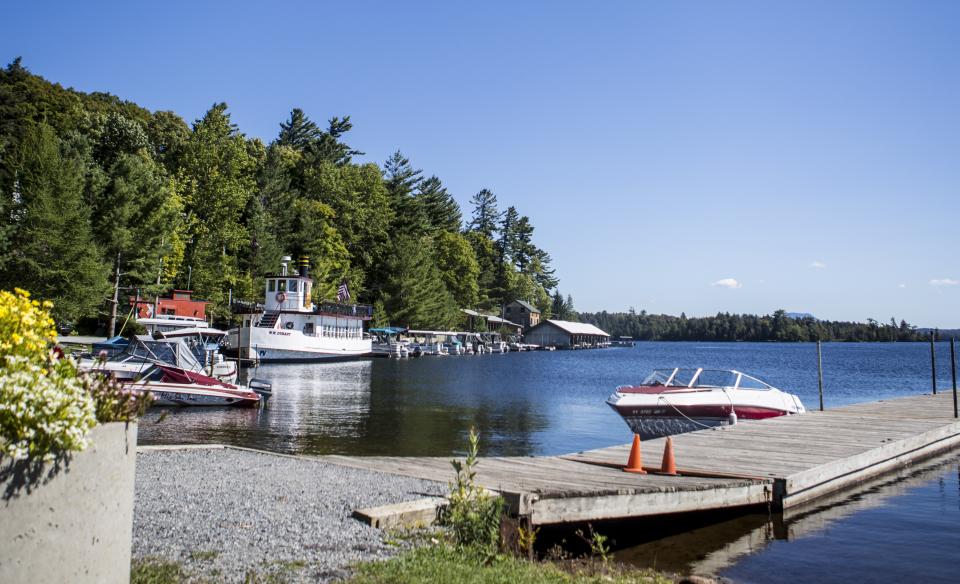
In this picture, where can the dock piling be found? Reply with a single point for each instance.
(933, 362)
(820, 373)
(953, 373)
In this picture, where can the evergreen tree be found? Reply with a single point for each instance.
(328, 147)
(53, 252)
(299, 131)
(485, 214)
(416, 296)
(133, 219)
(442, 212)
(401, 179)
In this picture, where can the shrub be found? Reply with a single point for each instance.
(473, 514)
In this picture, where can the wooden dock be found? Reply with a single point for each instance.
(780, 462)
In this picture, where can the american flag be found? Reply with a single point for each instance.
(343, 293)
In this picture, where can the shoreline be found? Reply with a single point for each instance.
(224, 513)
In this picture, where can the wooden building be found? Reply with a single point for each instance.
(522, 313)
(567, 335)
(480, 322)
(181, 303)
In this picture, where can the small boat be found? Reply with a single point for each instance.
(386, 342)
(189, 349)
(673, 401)
(172, 386)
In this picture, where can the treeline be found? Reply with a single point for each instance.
(747, 327)
(100, 196)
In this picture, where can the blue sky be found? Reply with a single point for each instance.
(673, 156)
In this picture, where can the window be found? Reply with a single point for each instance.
(308, 328)
(271, 285)
(281, 285)
(292, 286)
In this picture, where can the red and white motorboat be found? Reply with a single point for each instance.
(673, 401)
(172, 386)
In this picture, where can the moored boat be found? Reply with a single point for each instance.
(289, 327)
(673, 401)
(172, 386)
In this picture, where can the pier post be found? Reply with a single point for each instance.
(933, 363)
(820, 373)
(953, 373)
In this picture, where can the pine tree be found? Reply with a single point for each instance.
(54, 255)
(299, 131)
(416, 296)
(401, 179)
(442, 212)
(485, 214)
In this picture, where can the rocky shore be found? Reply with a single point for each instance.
(230, 515)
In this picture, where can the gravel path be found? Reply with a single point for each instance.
(224, 513)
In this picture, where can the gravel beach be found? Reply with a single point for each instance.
(225, 514)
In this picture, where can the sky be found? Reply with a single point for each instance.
(695, 157)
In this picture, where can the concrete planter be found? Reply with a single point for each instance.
(75, 523)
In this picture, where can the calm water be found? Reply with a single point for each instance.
(551, 403)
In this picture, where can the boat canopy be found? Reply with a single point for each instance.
(173, 351)
(704, 378)
(388, 330)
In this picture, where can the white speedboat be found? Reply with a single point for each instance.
(191, 350)
(172, 386)
(290, 327)
(673, 401)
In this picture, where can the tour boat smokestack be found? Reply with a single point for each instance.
(303, 266)
(284, 261)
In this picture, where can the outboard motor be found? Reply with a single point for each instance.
(261, 387)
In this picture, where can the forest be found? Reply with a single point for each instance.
(103, 198)
(747, 327)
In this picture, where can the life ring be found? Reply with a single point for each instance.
(281, 297)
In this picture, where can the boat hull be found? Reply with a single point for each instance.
(665, 421)
(175, 394)
(652, 412)
(292, 346)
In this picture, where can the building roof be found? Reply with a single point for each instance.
(574, 328)
(526, 305)
(491, 318)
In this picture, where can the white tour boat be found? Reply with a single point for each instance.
(289, 327)
(673, 401)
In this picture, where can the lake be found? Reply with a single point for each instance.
(546, 403)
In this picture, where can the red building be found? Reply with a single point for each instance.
(181, 304)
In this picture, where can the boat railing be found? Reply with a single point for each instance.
(244, 307)
(364, 311)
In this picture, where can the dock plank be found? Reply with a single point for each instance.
(782, 462)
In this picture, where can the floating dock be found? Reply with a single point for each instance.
(779, 462)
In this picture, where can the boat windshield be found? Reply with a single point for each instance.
(703, 378)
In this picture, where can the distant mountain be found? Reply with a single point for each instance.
(800, 315)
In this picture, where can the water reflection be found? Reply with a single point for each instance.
(367, 407)
(748, 548)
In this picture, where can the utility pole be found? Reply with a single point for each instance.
(116, 300)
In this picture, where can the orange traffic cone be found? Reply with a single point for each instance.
(635, 462)
(669, 465)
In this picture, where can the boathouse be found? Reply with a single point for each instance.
(522, 313)
(567, 335)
